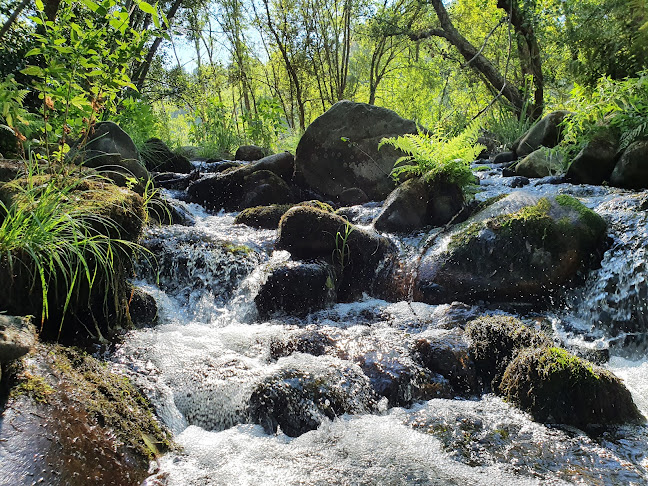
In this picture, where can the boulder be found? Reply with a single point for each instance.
(11, 169)
(110, 150)
(545, 133)
(352, 196)
(339, 150)
(70, 421)
(250, 153)
(296, 288)
(299, 398)
(540, 163)
(260, 183)
(268, 217)
(595, 162)
(631, 171)
(495, 341)
(172, 180)
(312, 233)
(158, 157)
(555, 386)
(504, 158)
(142, 308)
(521, 247)
(17, 337)
(418, 203)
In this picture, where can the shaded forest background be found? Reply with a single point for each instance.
(215, 74)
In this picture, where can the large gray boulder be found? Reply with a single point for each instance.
(518, 248)
(631, 171)
(418, 203)
(339, 150)
(545, 133)
(595, 162)
(110, 150)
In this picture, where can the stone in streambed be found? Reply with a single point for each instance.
(159, 158)
(595, 162)
(631, 171)
(268, 217)
(250, 153)
(547, 132)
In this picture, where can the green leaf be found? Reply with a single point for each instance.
(33, 52)
(39, 5)
(33, 71)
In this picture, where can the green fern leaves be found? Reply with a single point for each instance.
(437, 157)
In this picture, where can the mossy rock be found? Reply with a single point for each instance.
(268, 217)
(495, 341)
(158, 157)
(75, 422)
(522, 248)
(555, 386)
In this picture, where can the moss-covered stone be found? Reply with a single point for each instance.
(268, 217)
(558, 387)
(495, 341)
(76, 422)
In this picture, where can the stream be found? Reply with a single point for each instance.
(200, 366)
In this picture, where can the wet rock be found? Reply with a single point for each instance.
(353, 196)
(449, 355)
(298, 400)
(545, 133)
(540, 163)
(70, 421)
(158, 157)
(110, 150)
(553, 239)
(504, 157)
(340, 150)
(260, 183)
(631, 171)
(313, 233)
(456, 314)
(494, 343)
(17, 337)
(297, 288)
(268, 217)
(250, 153)
(517, 181)
(309, 341)
(595, 162)
(172, 180)
(557, 387)
(143, 308)
(418, 203)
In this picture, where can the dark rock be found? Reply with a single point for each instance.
(418, 203)
(110, 150)
(282, 164)
(268, 217)
(553, 240)
(313, 233)
(296, 288)
(550, 180)
(495, 341)
(70, 421)
(509, 172)
(504, 158)
(165, 212)
(213, 166)
(309, 341)
(490, 143)
(172, 180)
(299, 400)
(353, 196)
(10, 169)
(340, 150)
(631, 171)
(595, 162)
(557, 387)
(17, 337)
(159, 158)
(545, 133)
(449, 355)
(142, 308)
(263, 188)
(517, 181)
(250, 153)
(540, 163)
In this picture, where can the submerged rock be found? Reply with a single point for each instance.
(69, 421)
(557, 387)
(339, 150)
(522, 247)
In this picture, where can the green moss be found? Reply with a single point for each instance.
(558, 360)
(482, 168)
(269, 216)
(465, 235)
(111, 400)
(33, 386)
(592, 221)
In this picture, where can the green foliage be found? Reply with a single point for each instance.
(341, 252)
(437, 157)
(622, 105)
(12, 114)
(137, 118)
(55, 240)
(213, 130)
(263, 126)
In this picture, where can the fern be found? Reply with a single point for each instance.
(437, 157)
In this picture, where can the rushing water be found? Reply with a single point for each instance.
(201, 364)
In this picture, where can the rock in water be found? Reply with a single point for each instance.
(557, 387)
(545, 133)
(631, 171)
(540, 163)
(159, 158)
(339, 150)
(595, 162)
(520, 247)
(250, 153)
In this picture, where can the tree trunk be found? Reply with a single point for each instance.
(12, 18)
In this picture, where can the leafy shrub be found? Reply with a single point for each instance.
(437, 157)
